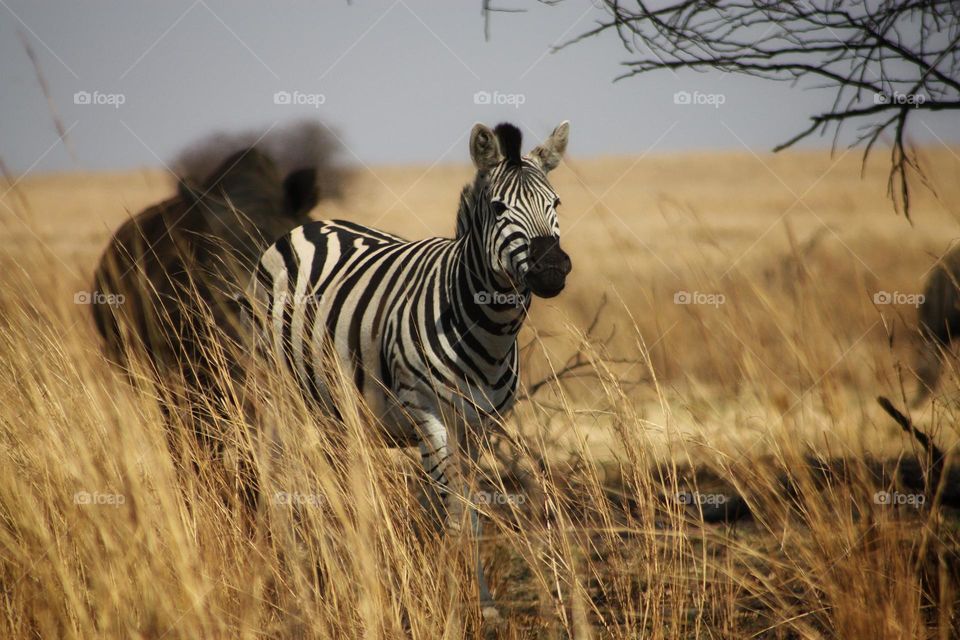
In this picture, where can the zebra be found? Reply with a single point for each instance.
(427, 329)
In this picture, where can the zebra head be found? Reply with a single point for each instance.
(516, 208)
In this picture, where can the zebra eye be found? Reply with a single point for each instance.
(556, 203)
(498, 207)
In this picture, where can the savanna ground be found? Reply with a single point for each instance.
(727, 322)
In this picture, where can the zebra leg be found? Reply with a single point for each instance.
(438, 461)
(436, 457)
(488, 606)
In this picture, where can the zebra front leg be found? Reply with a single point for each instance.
(471, 443)
(443, 468)
(488, 606)
(438, 461)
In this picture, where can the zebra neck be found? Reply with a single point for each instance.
(490, 311)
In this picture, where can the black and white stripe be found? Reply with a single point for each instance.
(426, 329)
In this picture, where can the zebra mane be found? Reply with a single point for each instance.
(510, 140)
(464, 211)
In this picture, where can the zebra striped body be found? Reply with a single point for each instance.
(426, 329)
(403, 317)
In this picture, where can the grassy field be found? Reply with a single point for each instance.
(727, 317)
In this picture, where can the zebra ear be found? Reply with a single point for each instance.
(484, 148)
(549, 154)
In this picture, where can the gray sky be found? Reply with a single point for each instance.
(397, 80)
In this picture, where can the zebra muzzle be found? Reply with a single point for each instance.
(549, 266)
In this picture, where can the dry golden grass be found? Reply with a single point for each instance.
(787, 366)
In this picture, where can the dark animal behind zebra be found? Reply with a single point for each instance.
(938, 319)
(292, 147)
(179, 264)
(426, 329)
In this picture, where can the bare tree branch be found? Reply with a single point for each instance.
(885, 60)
